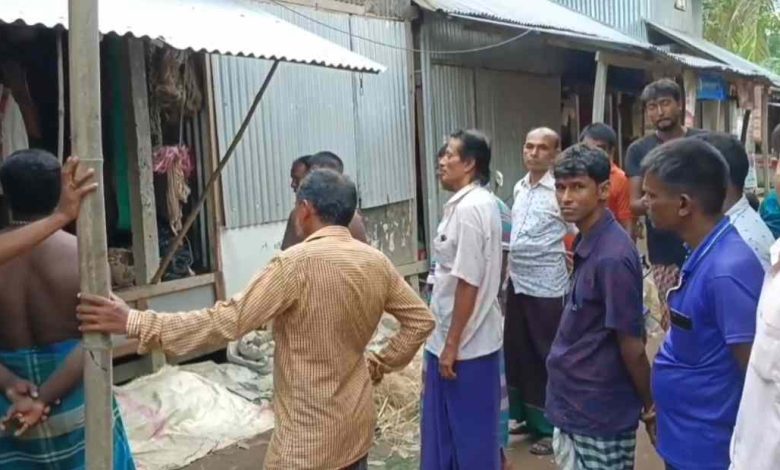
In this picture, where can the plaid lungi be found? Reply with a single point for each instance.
(58, 443)
(576, 452)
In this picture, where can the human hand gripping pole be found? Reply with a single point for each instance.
(102, 315)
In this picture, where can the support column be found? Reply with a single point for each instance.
(599, 89)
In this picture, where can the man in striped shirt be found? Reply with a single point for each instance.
(325, 297)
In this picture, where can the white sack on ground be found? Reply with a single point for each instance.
(174, 417)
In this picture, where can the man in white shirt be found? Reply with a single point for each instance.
(748, 223)
(538, 279)
(461, 397)
(755, 444)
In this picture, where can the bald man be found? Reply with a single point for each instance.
(537, 284)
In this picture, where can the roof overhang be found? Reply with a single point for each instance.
(228, 27)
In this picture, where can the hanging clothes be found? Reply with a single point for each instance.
(13, 133)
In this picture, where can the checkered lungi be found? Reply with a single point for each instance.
(575, 452)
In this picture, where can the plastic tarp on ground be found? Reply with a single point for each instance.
(179, 415)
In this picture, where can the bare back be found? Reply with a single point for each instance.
(38, 295)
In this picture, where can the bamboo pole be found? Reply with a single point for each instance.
(84, 61)
(60, 99)
(213, 178)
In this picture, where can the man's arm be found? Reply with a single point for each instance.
(66, 378)
(270, 294)
(463, 308)
(638, 208)
(416, 323)
(290, 237)
(357, 228)
(632, 351)
(741, 353)
(74, 189)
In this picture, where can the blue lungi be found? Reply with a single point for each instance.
(461, 417)
(58, 443)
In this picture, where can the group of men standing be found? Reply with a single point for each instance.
(562, 323)
(574, 323)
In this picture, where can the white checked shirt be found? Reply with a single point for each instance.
(752, 229)
(468, 247)
(537, 255)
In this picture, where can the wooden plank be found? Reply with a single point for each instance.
(214, 204)
(413, 269)
(690, 83)
(85, 100)
(148, 291)
(599, 89)
(146, 247)
(143, 210)
(765, 137)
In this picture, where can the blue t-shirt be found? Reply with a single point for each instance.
(697, 382)
(589, 390)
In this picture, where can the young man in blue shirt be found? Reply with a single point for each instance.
(599, 375)
(700, 369)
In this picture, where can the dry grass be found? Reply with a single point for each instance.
(397, 400)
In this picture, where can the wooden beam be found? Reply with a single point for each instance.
(691, 84)
(85, 98)
(413, 269)
(765, 137)
(143, 209)
(145, 292)
(599, 89)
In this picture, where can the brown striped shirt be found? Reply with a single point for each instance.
(325, 297)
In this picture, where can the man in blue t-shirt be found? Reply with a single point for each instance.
(700, 369)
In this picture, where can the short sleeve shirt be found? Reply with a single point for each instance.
(467, 247)
(537, 255)
(752, 229)
(663, 247)
(696, 381)
(589, 390)
(619, 195)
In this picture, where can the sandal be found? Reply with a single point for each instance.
(542, 447)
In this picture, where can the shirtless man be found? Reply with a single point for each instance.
(319, 160)
(40, 344)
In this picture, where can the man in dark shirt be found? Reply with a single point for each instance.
(320, 160)
(599, 375)
(663, 104)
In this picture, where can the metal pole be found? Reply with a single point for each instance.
(84, 61)
(213, 178)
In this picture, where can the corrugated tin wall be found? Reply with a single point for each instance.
(627, 15)
(308, 109)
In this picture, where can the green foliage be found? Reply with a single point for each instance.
(749, 28)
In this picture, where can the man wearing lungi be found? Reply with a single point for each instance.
(537, 284)
(41, 359)
(599, 375)
(462, 390)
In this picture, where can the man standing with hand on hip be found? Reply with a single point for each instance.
(462, 391)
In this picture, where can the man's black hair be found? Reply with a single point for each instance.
(32, 182)
(663, 88)
(303, 160)
(601, 132)
(326, 159)
(332, 194)
(581, 160)
(442, 151)
(734, 153)
(693, 167)
(474, 146)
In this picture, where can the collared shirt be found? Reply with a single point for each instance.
(325, 297)
(537, 255)
(756, 442)
(467, 247)
(752, 229)
(697, 382)
(589, 389)
(619, 195)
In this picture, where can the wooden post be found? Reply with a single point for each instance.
(690, 82)
(84, 60)
(599, 89)
(146, 246)
(767, 157)
(60, 99)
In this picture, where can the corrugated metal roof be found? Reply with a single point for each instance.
(700, 63)
(736, 63)
(230, 27)
(542, 15)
